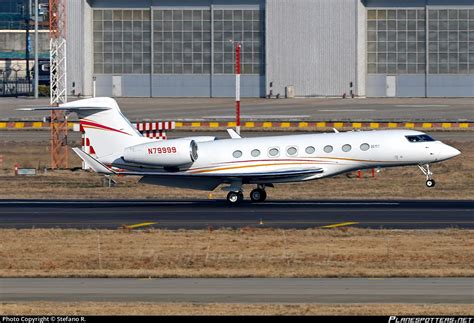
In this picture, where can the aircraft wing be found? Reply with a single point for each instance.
(259, 176)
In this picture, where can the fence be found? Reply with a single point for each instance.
(12, 85)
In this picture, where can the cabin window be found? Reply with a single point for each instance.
(255, 153)
(364, 147)
(274, 152)
(310, 150)
(328, 149)
(291, 151)
(237, 154)
(346, 148)
(419, 138)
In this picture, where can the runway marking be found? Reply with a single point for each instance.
(348, 110)
(339, 225)
(139, 225)
(422, 106)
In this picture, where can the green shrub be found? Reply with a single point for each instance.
(43, 90)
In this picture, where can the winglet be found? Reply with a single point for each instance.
(96, 165)
(233, 134)
(335, 130)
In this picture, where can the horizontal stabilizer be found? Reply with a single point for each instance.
(71, 109)
(96, 165)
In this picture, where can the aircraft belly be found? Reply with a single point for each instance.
(197, 183)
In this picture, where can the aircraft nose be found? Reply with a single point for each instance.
(449, 152)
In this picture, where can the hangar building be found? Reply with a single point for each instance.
(374, 48)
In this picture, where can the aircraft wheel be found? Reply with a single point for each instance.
(430, 183)
(258, 195)
(235, 198)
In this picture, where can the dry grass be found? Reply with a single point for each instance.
(105, 308)
(236, 253)
(454, 178)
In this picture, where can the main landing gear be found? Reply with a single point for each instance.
(259, 194)
(256, 195)
(430, 182)
(235, 197)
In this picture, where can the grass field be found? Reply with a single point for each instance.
(246, 252)
(105, 308)
(454, 181)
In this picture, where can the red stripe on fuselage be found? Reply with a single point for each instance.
(101, 127)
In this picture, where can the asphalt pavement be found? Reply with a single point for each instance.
(241, 290)
(202, 214)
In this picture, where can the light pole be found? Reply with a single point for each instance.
(238, 46)
(36, 51)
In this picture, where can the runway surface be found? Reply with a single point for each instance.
(112, 214)
(240, 290)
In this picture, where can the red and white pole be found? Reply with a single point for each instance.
(237, 87)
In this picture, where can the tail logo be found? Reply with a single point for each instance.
(85, 124)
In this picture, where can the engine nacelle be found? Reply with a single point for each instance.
(166, 153)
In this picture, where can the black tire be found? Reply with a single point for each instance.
(235, 198)
(258, 195)
(430, 183)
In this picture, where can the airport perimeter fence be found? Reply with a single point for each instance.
(14, 86)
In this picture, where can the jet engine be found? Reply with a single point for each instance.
(166, 153)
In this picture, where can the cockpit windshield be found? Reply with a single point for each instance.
(419, 138)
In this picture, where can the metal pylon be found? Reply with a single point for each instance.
(58, 79)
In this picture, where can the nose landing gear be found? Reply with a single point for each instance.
(430, 182)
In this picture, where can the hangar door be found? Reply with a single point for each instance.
(179, 51)
(429, 49)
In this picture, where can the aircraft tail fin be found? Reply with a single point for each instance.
(107, 129)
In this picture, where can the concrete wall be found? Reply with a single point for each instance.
(451, 85)
(412, 85)
(407, 85)
(75, 47)
(250, 85)
(167, 85)
(376, 85)
(311, 44)
(141, 85)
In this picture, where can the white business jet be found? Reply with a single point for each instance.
(205, 162)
